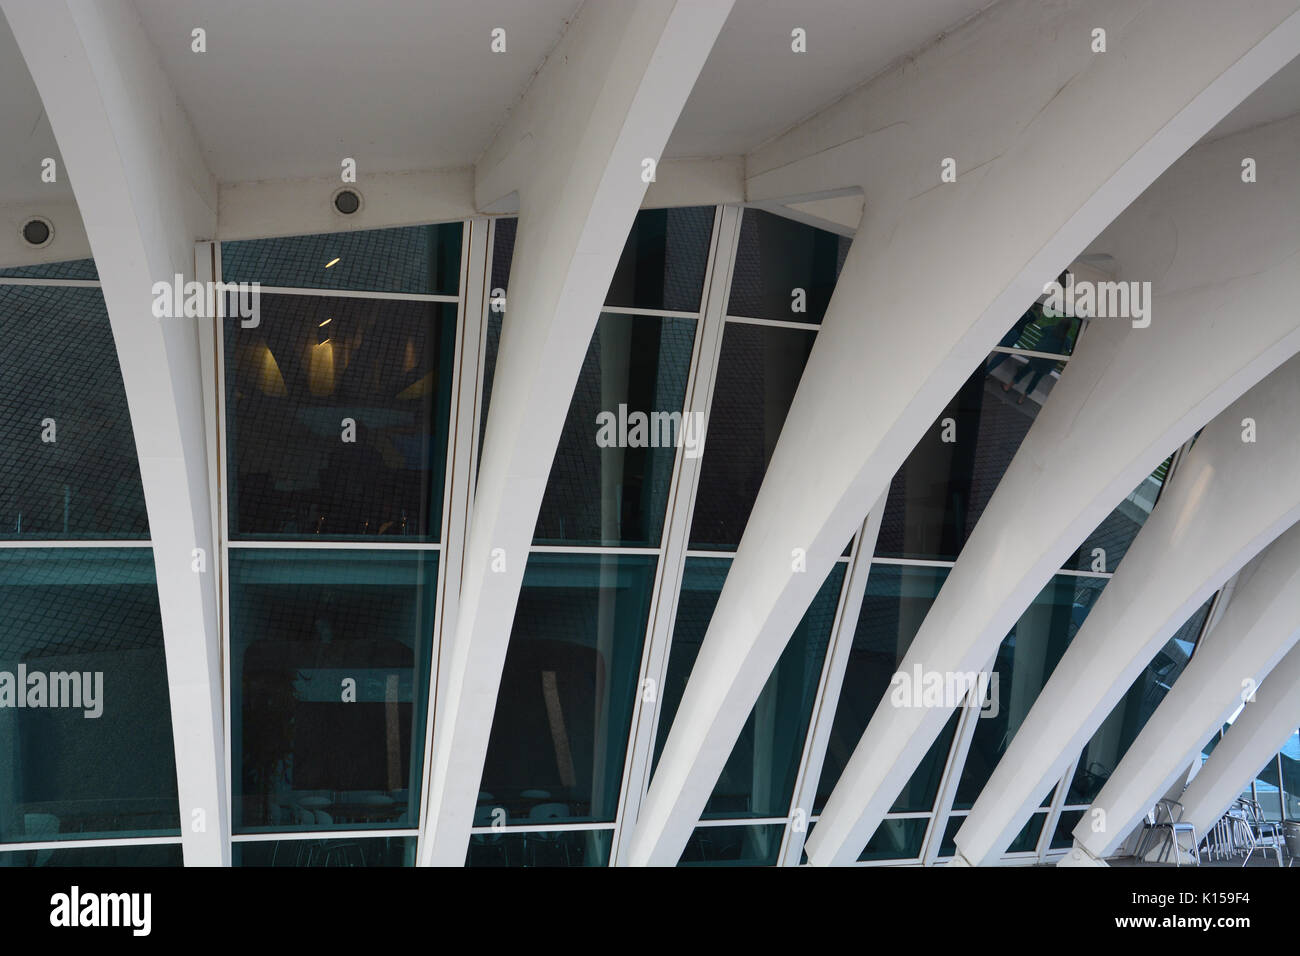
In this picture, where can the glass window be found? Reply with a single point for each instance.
(408, 259)
(1037, 332)
(944, 486)
(553, 848)
(663, 261)
(337, 418)
(896, 602)
(757, 845)
(1025, 660)
(329, 664)
(564, 709)
(1063, 838)
(1268, 791)
(1112, 739)
(81, 269)
(1290, 756)
(69, 467)
(378, 851)
(90, 753)
(1026, 841)
(759, 776)
(777, 256)
(1116, 533)
(119, 855)
(758, 372)
(896, 839)
(612, 472)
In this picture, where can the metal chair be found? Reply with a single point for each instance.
(1165, 822)
(1291, 831)
(1265, 835)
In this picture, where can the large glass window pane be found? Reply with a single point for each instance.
(1116, 533)
(132, 855)
(758, 372)
(610, 479)
(337, 418)
(1025, 660)
(377, 851)
(68, 467)
(942, 489)
(777, 256)
(1112, 739)
(663, 261)
(896, 602)
(1063, 838)
(551, 848)
(896, 839)
(411, 259)
(329, 664)
(758, 779)
(1268, 791)
(757, 845)
(564, 710)
(89, 753)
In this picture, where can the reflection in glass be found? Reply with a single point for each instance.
(896, 839)
(564, 709)
(757, 845)
(1116, 533)
(377, 851)
(329, 661)
(944, 486)
(1037, 332)
(337, 417)
(896, 602)
(1025, 660)
(774, 257)
(68, 466)
(663, 261)
(610, 479)
(1063, 838)
(418, 259)
(118, 855)
(551, 848)
(758, 372)
(759, 776)
(81, 628)
(1112, 739)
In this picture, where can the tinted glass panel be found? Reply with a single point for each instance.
(90, 753)
(610, 479)
(663, 262)
(734, 846)
(758, 372)
(1112, 739)
(1037, 332)
(1063, 838)
(564, 708)
(70, 269)
(947, 481)
(896, 602)
(1026, 840)
(68, 465)
(1026, 659)
(1114, 535)
(165, 854)
(419, 259)
(896, 840)
(1290, 755)
(337, 417)
(758, 779)
(386, 851)
(556, 848)
(777, 256)
(329, 662)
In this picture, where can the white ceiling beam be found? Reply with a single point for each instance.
(145, 196)
(1207, 242)
(1258, 629)
(1227, 505)
(574, 151)
(1051, 142)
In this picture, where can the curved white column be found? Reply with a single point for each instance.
(936, 274)
(1254, 737)
(605, 101)
(1229, 501)
(1209, 245)
(1260, 626)
(145, 197)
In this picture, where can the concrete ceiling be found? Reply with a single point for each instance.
(1276, 99)
(25, 135)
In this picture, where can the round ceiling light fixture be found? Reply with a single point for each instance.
(347, 201)
(37, 232)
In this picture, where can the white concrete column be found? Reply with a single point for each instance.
(1260, 626)
(937, 272)
(1207, 243)
(1254, 737)
(1232, 497)
(145, 197)
(575, 151)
